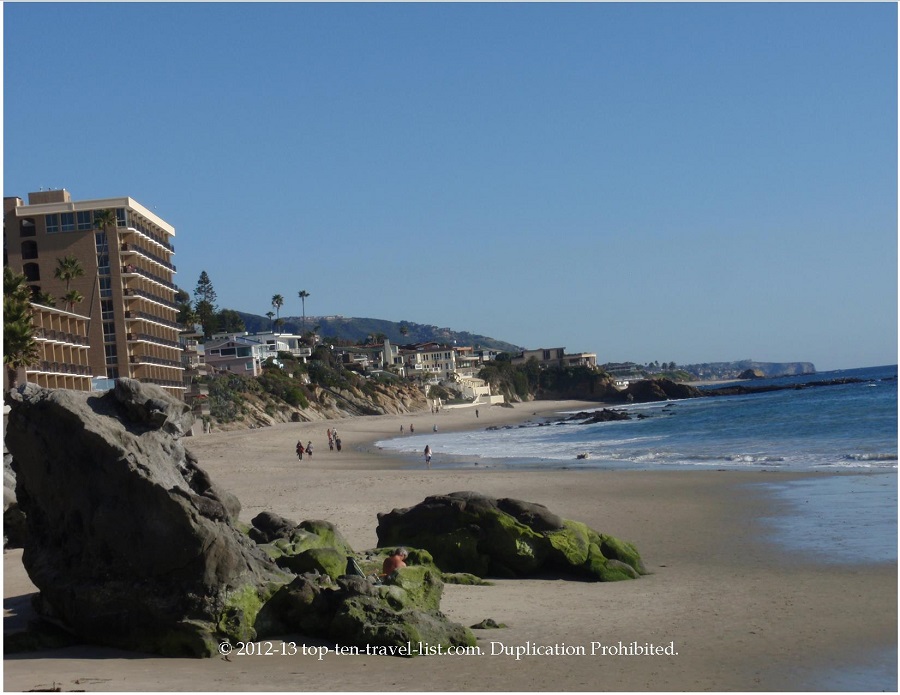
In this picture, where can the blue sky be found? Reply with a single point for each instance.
(687, 182)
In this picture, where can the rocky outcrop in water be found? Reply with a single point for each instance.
(470, 532)
(650, 390)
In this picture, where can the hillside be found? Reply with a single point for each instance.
(357, 330)
(732, 370)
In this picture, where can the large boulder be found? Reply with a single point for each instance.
(470, 532)
(402, 612)
(13, 517)
(128, 540)
(132, 545)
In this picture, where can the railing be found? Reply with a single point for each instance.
(146, 359)
(147, 338)
(48, 367)
(135, 292)
(151, 236)
(59, 336)
(144, 316)
(134, 248)
(150, 276)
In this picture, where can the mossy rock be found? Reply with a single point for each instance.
(465, 579)
(322, 560)
(328, 534)
(422, 585)
(625, 552)
(306, 536)
(605, 569)
(472, 533)
(571, 542)
(361, 621)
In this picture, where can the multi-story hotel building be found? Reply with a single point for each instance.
(127, 287)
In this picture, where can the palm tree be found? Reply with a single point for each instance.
(71, 298)
(271, 315)
(277, 302)
(44, 298)
(303, 294)
(19, 346)
(67, 269)
(104, 219)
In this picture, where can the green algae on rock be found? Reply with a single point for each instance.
(470, 532)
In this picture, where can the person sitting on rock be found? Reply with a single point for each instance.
(394, 561)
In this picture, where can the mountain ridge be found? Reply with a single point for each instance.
(358, 329)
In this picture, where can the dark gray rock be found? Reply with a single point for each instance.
(129, 541)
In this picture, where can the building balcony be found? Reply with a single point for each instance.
(147, 338)
(150, 236)
(131, 270)
(133, 293)
(130, 249)
(144, 316)
(146, 359)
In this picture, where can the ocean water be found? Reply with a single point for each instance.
(847, 433)
(850, 427)
(849, 430)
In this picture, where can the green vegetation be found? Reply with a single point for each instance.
(19, 346)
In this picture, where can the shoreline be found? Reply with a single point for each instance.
(742, 612)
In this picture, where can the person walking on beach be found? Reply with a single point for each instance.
(337, 442)
(300, 450)
(428, 455)
(476, 413)
(401, 429)
(412, 430)
(309, 449)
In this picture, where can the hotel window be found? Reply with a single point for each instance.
(52, 223)
(85, 220)
(111, 354)
(120, 217)
(106, 309)
(106, 286)
(109, 331)
(67, 221)
(29, 250)
(26, 227)
(32, 272)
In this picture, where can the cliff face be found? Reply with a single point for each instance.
(769, 369)
(263, 409)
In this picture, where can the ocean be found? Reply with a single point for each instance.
(848, 431)
(849, 427)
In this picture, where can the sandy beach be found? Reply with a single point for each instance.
(739, 612)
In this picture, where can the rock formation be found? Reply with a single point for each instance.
(131, 544)
(469, 532)
(649, 390)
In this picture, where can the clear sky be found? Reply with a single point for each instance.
(687, 182)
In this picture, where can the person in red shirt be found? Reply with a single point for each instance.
(394, 561)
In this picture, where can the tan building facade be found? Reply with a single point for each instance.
(62, 341)
(127, 287)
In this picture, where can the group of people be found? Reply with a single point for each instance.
(333, 442)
